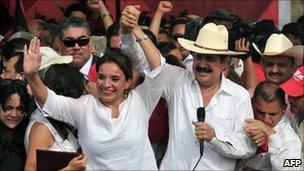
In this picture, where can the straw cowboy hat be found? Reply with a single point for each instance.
(211, 39)
(279, 44)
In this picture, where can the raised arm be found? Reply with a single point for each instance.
(163, 7)
(98, 5)
(31, 64)
(251, 79)
(129, 22)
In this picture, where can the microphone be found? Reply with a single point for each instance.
(201, 118)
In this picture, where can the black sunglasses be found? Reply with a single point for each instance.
(72, 42)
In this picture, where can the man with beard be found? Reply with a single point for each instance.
(227, 105)
(294, 87)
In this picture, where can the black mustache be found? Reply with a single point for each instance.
(203, 69)
(275, 74)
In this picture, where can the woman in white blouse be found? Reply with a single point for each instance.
(49, 134)
(113, 128)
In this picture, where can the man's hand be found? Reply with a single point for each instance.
(164, 7)
(258, 136)
(129, 18)
(242, 45)
(204, 131)
(97, 5)
(253, 124)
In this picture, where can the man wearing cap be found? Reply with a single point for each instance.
(294, 87)
(227, 106)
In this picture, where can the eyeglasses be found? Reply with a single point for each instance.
(72, 42)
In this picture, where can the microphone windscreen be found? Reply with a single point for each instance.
(201, 114)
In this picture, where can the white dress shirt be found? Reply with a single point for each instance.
(188, 62)
(85, 69)
(284, 144)
(299, 129)
(226, 113)
(111, 144)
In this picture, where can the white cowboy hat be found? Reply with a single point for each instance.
(211, 39)
(50, 57)
(279, 44)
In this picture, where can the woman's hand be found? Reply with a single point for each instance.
(77, 163)
(32, 57)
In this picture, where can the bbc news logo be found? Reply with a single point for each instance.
(292, 162)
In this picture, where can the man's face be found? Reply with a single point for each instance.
(9, 71)
(81, 51)
(296, 104)
(278, 69)
(179, 31)
(270, 113)
(208, 68)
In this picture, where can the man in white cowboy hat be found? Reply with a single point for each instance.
(227, 106)
(280, 58)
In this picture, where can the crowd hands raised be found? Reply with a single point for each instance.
(129, 99)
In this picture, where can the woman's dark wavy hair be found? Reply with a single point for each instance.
(8, 87)
(122, 61)
(67, 81)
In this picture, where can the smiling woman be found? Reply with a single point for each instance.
(14, 102)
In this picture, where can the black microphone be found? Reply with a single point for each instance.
(201, 118)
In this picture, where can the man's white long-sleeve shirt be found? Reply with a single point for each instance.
(226, 113)
(284, 144)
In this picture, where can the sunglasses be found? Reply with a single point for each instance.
(72, 42)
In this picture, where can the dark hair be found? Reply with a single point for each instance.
(67, 81)
(122, 61)
(292, 28)
(172, 60)
(9, 87)
(73, 22)
(151, 36)
(181, 20)
(82, 7)
(13, 47)
(113, 30)
(165, 48)
(164, 32)
(269, 92)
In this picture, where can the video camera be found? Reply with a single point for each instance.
(257, 30)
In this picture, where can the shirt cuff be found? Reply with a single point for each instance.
(155, 72)
(274, 142)
(219, 138)
(126, 37)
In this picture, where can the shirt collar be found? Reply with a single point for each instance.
(225, 85)
(86, 67)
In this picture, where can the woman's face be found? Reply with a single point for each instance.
(11, 114)
(111, 84)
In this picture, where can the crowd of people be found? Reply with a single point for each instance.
(197, 93)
